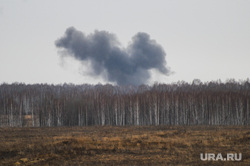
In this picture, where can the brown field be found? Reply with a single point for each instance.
(109, 145)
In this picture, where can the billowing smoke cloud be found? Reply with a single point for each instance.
(125, 66)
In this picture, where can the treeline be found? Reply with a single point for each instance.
(211, 103)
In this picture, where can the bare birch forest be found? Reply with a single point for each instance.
(211, 103)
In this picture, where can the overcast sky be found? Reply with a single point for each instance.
(203, 39)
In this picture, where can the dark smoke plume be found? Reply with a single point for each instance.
(125, 66)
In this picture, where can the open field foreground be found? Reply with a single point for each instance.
(106, 145)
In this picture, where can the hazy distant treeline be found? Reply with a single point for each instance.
(212, 103)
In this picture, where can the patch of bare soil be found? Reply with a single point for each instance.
(112, 145)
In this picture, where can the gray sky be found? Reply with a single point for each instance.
(208, 39)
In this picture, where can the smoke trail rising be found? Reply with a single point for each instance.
(124, 66)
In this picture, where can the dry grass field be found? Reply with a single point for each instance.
(109, 145)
